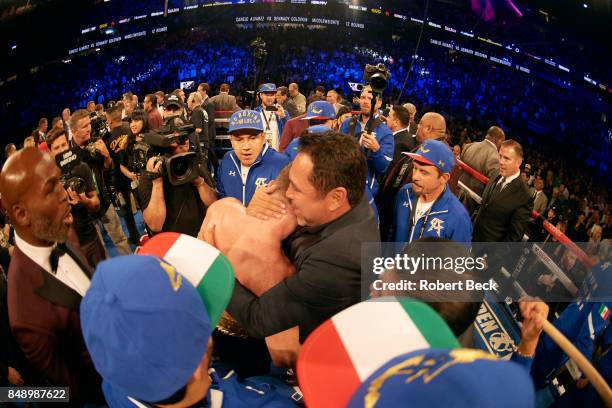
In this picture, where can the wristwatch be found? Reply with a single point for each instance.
(152, 175)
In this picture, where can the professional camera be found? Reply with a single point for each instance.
(67, 162)
(99, 130)
(180, 168)
(91, 148)
(377, 76)
(140, 155)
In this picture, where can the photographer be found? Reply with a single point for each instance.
(84, 202)
(96, 155)
(378, 145)
(132, 159)
(119, 135)
(168, 205)
(272, 114)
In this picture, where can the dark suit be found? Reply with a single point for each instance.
(44, 318)
(484, 158)
(327, 260)
(209, 107)
(503, 216)
(224, 102)
(403, 143)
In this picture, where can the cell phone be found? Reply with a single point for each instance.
(272, 108)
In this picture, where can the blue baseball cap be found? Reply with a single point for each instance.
(435, 153)
(452, 378)
(320, 110)
(267, 87)
(145, 326)
(318, 129)
(246, 120)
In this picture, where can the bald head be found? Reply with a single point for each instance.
(496, 135)
(431, 126)
(34, 197)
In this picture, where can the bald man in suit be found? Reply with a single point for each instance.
(46, 278)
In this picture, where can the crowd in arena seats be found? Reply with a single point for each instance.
(309, 224)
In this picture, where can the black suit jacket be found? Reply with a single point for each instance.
(44, 318)
(404, 142)
(327, 259)
(505, 216)
(209, 107)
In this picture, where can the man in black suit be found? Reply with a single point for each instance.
(398, 121)
(326, 193)
(506, 201)
(209, 107)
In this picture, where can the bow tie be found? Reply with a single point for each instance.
(56, 253)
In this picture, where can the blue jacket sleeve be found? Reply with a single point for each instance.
(379, 161)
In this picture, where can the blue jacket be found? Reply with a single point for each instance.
(266, 168)
(448, 218)
(379, 161)
(281, 122)
(584, 324)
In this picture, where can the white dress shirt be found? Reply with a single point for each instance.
(68, 271)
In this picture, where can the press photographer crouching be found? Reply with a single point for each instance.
(173, 193)
(77, 179)
(92, 150)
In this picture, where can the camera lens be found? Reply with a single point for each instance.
(180, 168)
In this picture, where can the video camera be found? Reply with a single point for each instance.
(377, 76)
(180, 168)
(67, 162)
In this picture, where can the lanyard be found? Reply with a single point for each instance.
(413, 219)
(267, 120)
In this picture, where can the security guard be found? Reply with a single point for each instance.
(272, 114)
(427, 207)
(252, 163)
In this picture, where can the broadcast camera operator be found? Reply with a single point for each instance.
(173, 193)
(79, 184)
(88, 135)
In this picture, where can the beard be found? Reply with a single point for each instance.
(44, 229)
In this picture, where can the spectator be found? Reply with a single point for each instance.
(9, 150)
(224, 101)
(209, 107)
(298, 98)
(154, 118)
(199, 118)
(398, 121)
(412, 128)
(282, 98)
(539, 197)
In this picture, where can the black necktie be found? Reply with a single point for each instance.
(56, 253)
(498, 187)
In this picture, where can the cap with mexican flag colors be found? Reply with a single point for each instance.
(345, 350)
(204, 266)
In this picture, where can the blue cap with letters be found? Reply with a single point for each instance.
(320, 110)
(145, 326)
(248, 120)
(267, 87)
(435, 153)
(446, 378)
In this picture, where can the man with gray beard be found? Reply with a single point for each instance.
(46, 277)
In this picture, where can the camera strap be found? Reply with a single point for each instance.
(267, 120)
